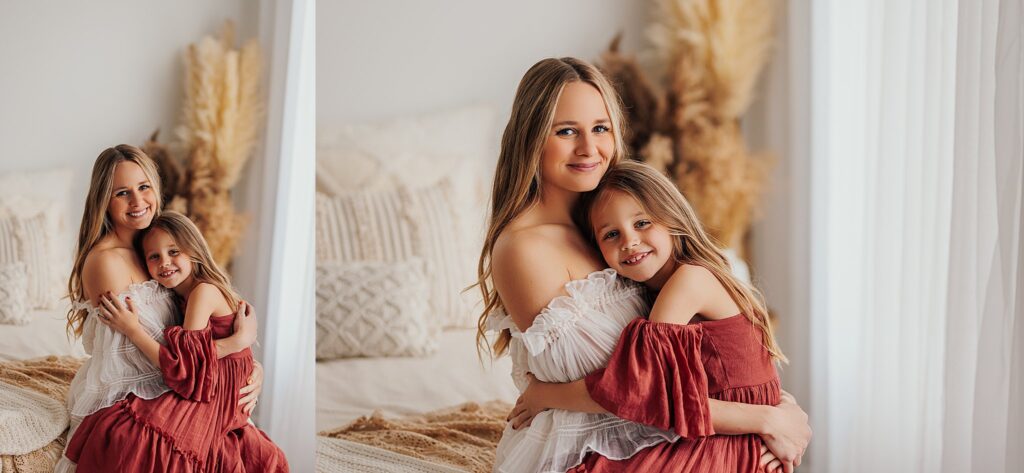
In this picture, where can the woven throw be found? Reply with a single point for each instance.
(49, 376)
(334, 455)
(465, 436)
(28, 420)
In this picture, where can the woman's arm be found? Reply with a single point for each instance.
(528, 272)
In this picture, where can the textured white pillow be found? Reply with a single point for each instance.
(373, 309)
(418, 152)
(33, 239)
(395, 226)
(14, 294)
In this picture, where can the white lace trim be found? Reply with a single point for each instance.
(117, 367)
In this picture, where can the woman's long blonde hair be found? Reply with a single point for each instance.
(517, 177)
(191, 243)
(96, 223)
(663, 202)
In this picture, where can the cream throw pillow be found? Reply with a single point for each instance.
(373, 309)
(394, 226)
(14, 294)
(31, 240)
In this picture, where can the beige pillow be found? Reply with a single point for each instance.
(14, 294)
(373, 309)
(31, 239)
(393, 226)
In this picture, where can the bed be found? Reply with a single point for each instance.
(391, 196)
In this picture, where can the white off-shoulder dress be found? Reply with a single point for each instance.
(573, 336)
(117, 367)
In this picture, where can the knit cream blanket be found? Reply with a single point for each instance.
(465, 436)
(50, 377)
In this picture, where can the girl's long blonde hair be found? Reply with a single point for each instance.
(96, 223)
(191, 243)
(663, 202)
(517, 177)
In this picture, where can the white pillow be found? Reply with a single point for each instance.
(373, 309)
(394, 226)
(14, 294)
(419, 152)
(33, 239)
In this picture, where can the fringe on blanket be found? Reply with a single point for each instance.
(51, 377)
(465, 436)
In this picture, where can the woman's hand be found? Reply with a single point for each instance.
(769, 462)
(528, 405)
(246, 325)
(251, 392)
(787, 433)
(119, 317)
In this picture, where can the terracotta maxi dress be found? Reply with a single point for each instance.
(197, 427)
(662, 374)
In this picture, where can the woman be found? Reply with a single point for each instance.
(123, 198)
(559, 314)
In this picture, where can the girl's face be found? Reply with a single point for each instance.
(133, 200)
(630, 241)
(580, 142)
(164, 260)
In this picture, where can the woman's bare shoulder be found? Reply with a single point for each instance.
(107, 270)
(530, 267)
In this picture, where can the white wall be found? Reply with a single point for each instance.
(79, 77)
(385, 58)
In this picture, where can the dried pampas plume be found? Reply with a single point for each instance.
(220, 124)
(715, 51)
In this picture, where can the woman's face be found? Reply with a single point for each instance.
(580, 143)
(133, 200)
(631, 242)
(164, 260)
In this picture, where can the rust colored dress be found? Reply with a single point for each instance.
(197, 427)
(662, 375)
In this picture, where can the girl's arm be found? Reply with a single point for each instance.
(244, 335)
(202, 303)
(728, 418)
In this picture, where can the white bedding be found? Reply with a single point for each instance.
(43, 336)
(347, 389)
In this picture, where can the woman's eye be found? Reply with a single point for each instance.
(144, 187)
(121, 193)
(601, 129)
(566, 132)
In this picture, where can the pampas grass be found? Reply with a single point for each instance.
(221, 115)
(715, 51)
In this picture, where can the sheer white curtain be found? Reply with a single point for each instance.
(917, 141)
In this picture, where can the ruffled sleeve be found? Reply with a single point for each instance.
(655, 377)
(188, 362)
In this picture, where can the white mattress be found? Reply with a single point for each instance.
(44, 336)
(347, 389)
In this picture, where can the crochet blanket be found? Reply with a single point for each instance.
(464, 436)
(49, 377)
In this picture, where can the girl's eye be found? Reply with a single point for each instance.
(610, 235)
(566, 132)
(601, 129)
(173, 252)
(154, 257)
(642, 223)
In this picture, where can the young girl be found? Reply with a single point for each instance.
(200, 426)
(707, 334)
